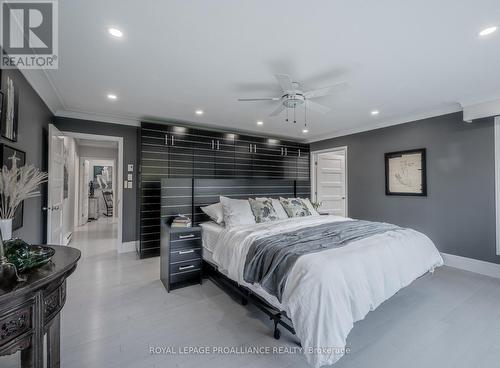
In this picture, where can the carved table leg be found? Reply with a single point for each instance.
(27, 358)
(54, 343)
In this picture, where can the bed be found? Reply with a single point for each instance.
(349, 281)
(326, 291)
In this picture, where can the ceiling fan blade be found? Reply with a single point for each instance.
(285, 82)
(317, 107)
(259, 99)
(325, 91)
(278, 110)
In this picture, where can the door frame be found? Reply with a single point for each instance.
(120, 246)
(314, 157)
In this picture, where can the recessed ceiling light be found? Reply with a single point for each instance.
(260, 123)
(375, 112)
(112, 96)
(488, 31)
(115, 32)
(305, 130)
(199, 112)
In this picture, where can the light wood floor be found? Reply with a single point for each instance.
(117, 309)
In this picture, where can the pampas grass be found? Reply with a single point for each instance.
(18, 184)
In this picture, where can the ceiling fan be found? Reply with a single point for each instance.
(293, 96)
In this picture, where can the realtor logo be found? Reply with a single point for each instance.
(29, 34)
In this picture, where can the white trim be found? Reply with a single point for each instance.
(127, 247)
(472, 265)
(313, 167)
(456, 107)
(481, 110)
(119, 181)
(103, 118)
(497, 182)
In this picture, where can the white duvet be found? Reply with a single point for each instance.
(327, 292)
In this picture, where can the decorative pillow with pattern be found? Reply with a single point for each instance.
(294, 207)
(263, 210)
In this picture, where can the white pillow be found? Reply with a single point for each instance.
(280, 211)
(309, 206)
(237, 212)
(215, 212)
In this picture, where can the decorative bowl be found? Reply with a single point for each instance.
(25, 256)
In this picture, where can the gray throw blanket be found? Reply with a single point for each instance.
(270, 259)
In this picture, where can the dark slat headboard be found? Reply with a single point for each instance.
(186, 196)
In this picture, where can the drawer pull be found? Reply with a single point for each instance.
(182, 268)
(186, 236)
(186, 251)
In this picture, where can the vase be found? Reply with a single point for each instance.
(6, 228)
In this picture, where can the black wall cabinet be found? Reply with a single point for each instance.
(171, 151)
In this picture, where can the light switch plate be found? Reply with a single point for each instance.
(129, 177)
(125, 184)
(130, 167)
(129, 185)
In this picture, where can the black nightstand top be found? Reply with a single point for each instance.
(175, 230)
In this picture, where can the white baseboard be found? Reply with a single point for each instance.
(126, 247)
(472, 265)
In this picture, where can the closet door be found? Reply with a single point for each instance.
(153, 167)
(225, 156)
(243, 153)
(203, 154)
(180, 149)
(268, 158)
(303, 162)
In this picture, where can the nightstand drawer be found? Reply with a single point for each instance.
(185, 235)
(185, 244)
(186, 276)
(185, 254)
(188, 266)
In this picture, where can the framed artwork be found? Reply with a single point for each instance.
(10, 111)
(6, 152)
(405, 173)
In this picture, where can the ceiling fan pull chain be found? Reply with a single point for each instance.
(294, 120)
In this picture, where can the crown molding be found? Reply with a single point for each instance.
(443, 110)
(41, 82)
(103, 118)
(481, 110)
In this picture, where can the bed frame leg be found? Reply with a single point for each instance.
(244, 300)
(276, 319)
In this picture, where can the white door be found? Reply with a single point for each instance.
(55, 187)
(84, 192)
(330, 182)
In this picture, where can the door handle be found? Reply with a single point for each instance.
(218, 146)
(250, 148)
(166, 139)
(213, 145)
(254, 148)
(286, 151)
(172, 140)
(281, 151)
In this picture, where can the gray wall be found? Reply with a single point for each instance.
(98, 152)
(33, 120)
(459, 212)
(129, 134)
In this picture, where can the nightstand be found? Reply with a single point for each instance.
(180, 256)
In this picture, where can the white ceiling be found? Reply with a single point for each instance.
(406, 59)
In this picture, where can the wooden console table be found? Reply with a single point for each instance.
(29, 310)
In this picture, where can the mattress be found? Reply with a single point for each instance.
(209, 237)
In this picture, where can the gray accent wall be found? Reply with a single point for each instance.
(129, 134)
(459, 212)
(33, 121)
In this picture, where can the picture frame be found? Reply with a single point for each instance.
(406, 173)
(10, 111)
(5, 153)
